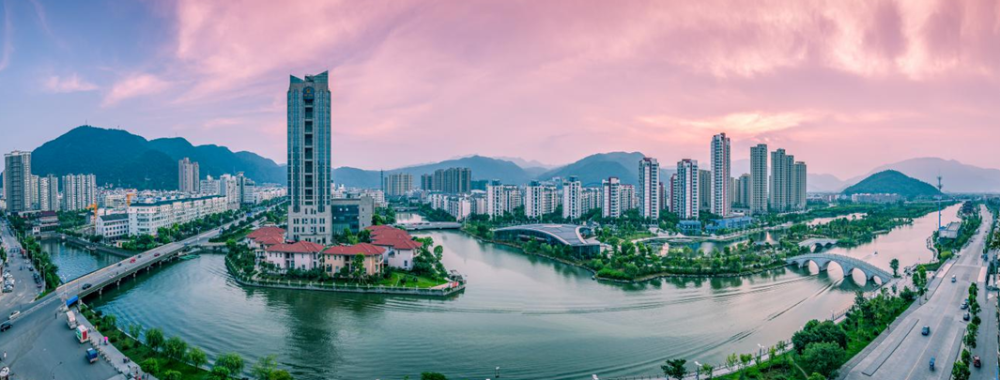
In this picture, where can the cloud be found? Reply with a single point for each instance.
(72, 83)
(132, 86)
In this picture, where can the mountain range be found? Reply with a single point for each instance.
(123, 159)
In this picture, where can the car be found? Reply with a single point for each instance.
(156, 255)
(31, 269)
(133, 260)
(965, 304)
(119, 264)
(953, 279)
(932, 363)
(976, 362)
(926, 330)
(14, 314)
(6, 326)
(86, 286)
(140, 256)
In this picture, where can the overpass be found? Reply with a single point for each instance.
(847, 263)
(424, 226)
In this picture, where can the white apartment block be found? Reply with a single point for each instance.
(720, 193)
(649, 188)
(572, 207)
(147, 216)
(685, 196)
(611, 198)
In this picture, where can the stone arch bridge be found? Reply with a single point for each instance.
(847, 263)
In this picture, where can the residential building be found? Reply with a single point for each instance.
(148, 215)
(744, 190)
(48, 191)
(611, 198)
(210, 186)
(79, 191)
(876, 198)
(188, 180)
(758, 179)
(229, 187)
(113, 226)
(33, 192)
(301, 255)
(649, 188)
(591, 199)
(452, 180)
(16, 181)
(788, 182)
(309, 213)
(397, 184)
(628, 200)
(400, 247)
(539, 200)
(705, 190)
(572, 199)
(720, 175)
(799, 179)
(687, 192)
(672, 186)
(261, 239)
(502, 199)
(427, 182)
(341, 260)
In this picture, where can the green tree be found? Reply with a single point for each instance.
(432, 376)
(219, 373)
(172, 375)
(674, 368)
(154, 338)
(175, 348)
(134, 330)
(894, 264)
(817, 332)
(708, 370)
(816, 376)
(264, 368)
(231, 361)
(150, 365)
(960, 371)
(280, 375)
(823, 358)
(197, 357)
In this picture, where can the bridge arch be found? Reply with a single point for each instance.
(846, 263)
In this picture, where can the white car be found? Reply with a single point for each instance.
(14, 314)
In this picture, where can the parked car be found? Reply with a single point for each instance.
(926, 330)
(953, 279)
(976, 362)
(14, 314)
(965, 304)
(965, 317)
(5, 326)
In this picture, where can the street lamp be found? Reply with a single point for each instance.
(497, 373)
(697, 370)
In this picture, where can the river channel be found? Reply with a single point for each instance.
(532, 317)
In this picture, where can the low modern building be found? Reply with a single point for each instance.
(113, 226)
(302, 255)
(147, 216)
(730, 223)
(578, 238)
(353, 214)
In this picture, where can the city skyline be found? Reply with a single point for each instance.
(162, 71)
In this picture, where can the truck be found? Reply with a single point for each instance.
(82, 334)
(92, 355)
(71, 320)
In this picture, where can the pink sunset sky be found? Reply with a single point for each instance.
(843, 85)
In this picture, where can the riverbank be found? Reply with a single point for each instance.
(446, 290)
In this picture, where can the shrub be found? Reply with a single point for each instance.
(823, 358)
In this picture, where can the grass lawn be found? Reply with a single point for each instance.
(422, 282)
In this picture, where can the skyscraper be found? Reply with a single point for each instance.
(309, 212)
(686, 194)
(649, 188)
(720, 175)
(611, 198)
(48, 191)
(188, 179)
(452, 180)
(788, 182)
(758, 179)
(798, 185)
(79, 191)
(539, 200)
(16, 181)
(704, 190)
(572, 191)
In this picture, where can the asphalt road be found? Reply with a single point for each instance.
(24, 285)
(905, 353)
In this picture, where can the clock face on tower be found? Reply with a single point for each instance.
(307, 93)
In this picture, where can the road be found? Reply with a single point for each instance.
(986, 346)
(24, 285)
(905, 353)
(40, 345)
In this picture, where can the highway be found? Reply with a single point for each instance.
(905, 353)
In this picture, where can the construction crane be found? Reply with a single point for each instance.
(128, 199)
(94, 207)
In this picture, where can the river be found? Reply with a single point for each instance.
(532, 317)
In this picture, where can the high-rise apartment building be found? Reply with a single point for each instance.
(572, 199)
(744, 189)
(33, 192)
(426, 182)
(788, 182)
(188, 179)
(309, 139)
(721, 178)
(649, 188)
(452, 180)
(48, 192)
(672, 189)
(798, 185)
(79, 191)
(704, 190)
(502, 199)
(397, 184)
(758, 179)
(17, 181)
(611, 198)
(539, 200)
(686, 197)
(629, 200)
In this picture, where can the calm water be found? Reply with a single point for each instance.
(534, 318)
(74, 262)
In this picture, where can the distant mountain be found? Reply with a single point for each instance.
(354, 177)
(956, 176)
(594, 168)
(120, 158)
(893, 182)
(823, 183)
(527, 164)
(482, 168)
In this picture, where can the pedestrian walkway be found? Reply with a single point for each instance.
(122, 364)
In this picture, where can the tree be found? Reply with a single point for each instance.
(960, 371)
(134, 330)
(220, 373)
(264, 368)
(432, 376)
(150, 365)
(674, 368)
(281, 375)
(197, 357)
(894, 264)
(231, 361)
(358, 266)
(176, 348)
(154, 338)
(823, 358)
(816, 376)
(172, 375)
(708, 370)
(817, 332)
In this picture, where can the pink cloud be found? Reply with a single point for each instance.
(132, 86)
(71, 83)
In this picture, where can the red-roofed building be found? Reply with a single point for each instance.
(400, 246)
(262, 238)
(302, 255)
(339, 257)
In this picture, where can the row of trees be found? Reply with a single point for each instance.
(42, 261)
(960, 371)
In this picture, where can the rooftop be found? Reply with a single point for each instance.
(567, 233)
(297, 247)
(360, 248)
